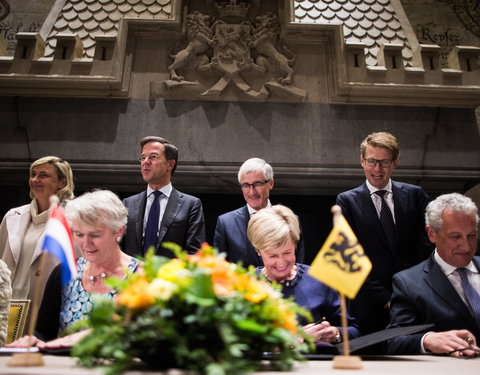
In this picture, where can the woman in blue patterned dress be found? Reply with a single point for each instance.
(98, 222)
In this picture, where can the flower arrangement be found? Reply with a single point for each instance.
(195, 312)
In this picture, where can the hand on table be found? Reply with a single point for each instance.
(457, 343)
(321, 332)
(25, 342)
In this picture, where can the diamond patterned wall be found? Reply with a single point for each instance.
(372, 22)
(89, 18)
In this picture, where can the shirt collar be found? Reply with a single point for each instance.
(167, 190)
(448, 269)
(372, 189)
(252, 211)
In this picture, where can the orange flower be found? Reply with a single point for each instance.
(254, 291)
(136, 295)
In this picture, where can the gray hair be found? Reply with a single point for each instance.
(254, 165)
(454, 202)
(98, 207)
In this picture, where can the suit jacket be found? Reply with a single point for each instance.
(411, 246)
(231, 238)
(182, 223)
(422, 295)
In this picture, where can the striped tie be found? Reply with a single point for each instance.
(386, 219)
(471, 294)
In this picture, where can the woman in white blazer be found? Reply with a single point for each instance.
(22, 227)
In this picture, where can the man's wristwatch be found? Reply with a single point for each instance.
(338, 337)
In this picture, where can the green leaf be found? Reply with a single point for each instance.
(252, 326)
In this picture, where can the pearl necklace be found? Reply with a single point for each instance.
(93, 278)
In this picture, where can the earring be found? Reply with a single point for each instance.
(119, 238)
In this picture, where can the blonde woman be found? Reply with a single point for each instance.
(274, 232)
(22, 227)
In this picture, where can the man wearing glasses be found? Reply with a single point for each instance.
(255, 177)
(387, 218)
(162, 213)
(445, 289)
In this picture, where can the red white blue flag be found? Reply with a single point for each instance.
(58, 242)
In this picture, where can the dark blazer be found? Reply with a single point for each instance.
(411, 246)
(422, 295)
(231, 238)
(182, 223)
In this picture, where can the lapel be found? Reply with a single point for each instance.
(439, 283)
(139, 208)
(369, 213)
(400, 199)
(17, 225)
(242, 218)
(175, 202)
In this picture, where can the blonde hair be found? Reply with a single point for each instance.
(64, 172)
(273, 227)
(384, 140)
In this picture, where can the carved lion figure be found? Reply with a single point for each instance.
(199, 36)
(265, 35)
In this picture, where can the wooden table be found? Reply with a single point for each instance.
(392, 365)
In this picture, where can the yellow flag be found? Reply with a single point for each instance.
(341, 263)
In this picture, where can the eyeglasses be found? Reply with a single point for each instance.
(152, 157)
(385, 163)
(256, 184)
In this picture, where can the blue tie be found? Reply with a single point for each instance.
(151, 230)
(471, 294)
(386, 219)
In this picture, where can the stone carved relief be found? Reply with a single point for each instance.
(237, 42)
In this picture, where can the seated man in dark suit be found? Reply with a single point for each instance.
(162, 213)
(387, 218)
(444, 289)
(255, 177)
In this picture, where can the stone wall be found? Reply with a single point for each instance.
(20, 16)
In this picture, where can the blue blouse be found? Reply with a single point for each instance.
(76, 301)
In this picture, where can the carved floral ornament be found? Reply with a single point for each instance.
(230, 41)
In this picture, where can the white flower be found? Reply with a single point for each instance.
(161, 289)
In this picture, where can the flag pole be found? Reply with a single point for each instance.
(31, 358)
(345, 361)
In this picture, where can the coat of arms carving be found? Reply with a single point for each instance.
(230, 41)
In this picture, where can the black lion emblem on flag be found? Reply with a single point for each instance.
(345, 254)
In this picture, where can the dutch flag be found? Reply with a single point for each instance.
(58, 242)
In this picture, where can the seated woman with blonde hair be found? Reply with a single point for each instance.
(274, 232)
(98, 222)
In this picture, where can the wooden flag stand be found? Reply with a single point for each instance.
(30, 358)
(345, 361)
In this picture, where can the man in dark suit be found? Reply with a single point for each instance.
(255, 177)
(444, 289)
(174, 217)
(387, 218)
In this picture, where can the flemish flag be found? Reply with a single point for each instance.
(341, 263)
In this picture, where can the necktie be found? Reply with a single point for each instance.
(471, 294)
(386, 219)
(151, 230)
